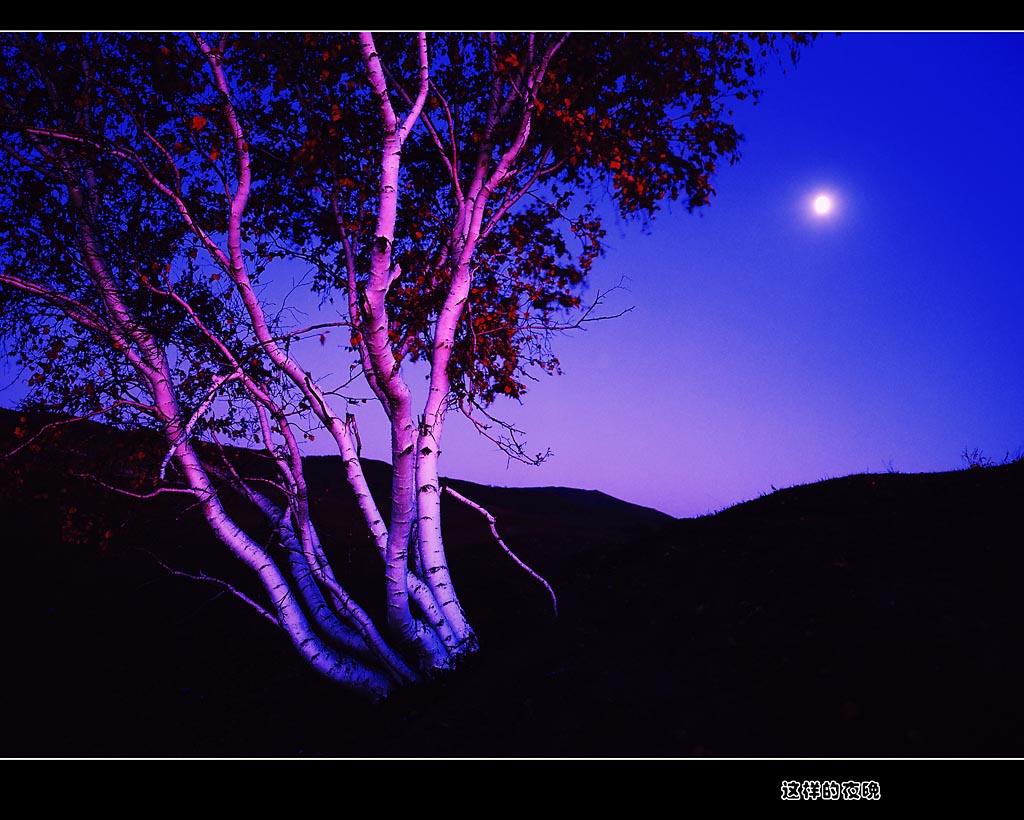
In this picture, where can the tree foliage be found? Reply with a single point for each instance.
(443, 194)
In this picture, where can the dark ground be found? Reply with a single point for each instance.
(874, 616)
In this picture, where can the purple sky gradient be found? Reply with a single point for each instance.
(768, 346)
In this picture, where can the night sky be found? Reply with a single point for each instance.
(768, 345)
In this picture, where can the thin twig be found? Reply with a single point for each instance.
(202, 576)
(132, 494)
(54, 424)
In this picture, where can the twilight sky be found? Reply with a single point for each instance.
(768, 345)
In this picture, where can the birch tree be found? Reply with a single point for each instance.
(442, 194)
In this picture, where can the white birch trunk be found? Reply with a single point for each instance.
(386, 377)
(150, 362)
(431, 543)
(419, 592)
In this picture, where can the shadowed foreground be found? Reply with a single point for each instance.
(869, 616)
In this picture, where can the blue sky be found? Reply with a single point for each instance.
(769, 346)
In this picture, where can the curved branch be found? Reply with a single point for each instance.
(202, 576)
(494, 531)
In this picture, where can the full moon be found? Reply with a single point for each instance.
(822, 204)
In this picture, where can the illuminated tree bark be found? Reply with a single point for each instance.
(443, 186)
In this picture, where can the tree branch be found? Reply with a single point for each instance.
(202, 576)
(494, 531)
(54, 424)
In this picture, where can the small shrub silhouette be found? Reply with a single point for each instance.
(975, 459)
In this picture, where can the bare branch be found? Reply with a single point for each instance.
(69, 306)
(494, 531)
(55, 424)
(133, 494)
(202, 576)
(186, 431)
(509, 444)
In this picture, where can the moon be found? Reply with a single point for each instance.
(822, 204)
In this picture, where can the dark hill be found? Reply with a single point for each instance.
(870, 616)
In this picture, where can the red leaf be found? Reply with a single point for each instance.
(198, 123)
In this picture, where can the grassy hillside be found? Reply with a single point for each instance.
(869, 616)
